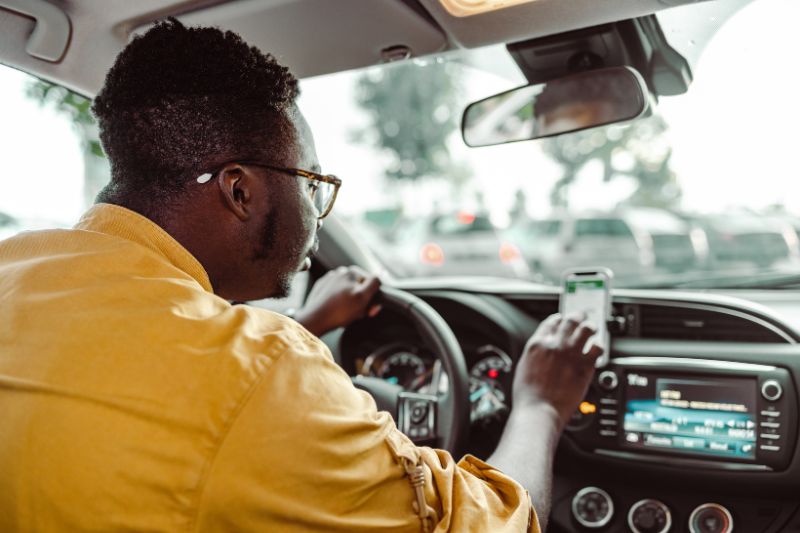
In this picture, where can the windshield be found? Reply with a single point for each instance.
(701, 189)
(703, 193)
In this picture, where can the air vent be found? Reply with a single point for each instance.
(537, 309)
(685, 323)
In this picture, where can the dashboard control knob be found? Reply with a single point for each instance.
(771, 390)
(710, 518)
(649, 516)
(608, 380)
(592, 507)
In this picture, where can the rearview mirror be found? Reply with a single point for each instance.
(572, 103)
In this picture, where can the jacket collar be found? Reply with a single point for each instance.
(121, 222)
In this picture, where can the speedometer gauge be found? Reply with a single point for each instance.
(402, 368)
(494, 364)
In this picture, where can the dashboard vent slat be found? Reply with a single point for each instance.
(685, 323)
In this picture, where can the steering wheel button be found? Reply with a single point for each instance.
(418, 412)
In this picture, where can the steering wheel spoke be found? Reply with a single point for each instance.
(417, 416)
(442, 417)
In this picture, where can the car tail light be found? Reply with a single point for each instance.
(432, 254)
(465, 218)
(509, 253)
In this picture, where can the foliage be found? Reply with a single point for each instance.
(76, 107)
(413, 112)
(639, 151)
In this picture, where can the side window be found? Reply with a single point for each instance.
(53, 166)
(602, 227)
(546, 228)
(552, 228)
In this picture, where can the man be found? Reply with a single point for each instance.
(135, 397)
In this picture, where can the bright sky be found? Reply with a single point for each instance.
(42, 175)
(733, 135)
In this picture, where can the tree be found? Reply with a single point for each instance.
(639, 151)
(78, 109)
(413, 112)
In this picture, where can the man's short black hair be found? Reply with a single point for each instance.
(179, 101)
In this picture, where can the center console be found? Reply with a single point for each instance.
(692, 412)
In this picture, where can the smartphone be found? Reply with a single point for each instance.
(588, 291)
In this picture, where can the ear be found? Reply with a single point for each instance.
(235, 184)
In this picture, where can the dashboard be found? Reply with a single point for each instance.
(691, 427)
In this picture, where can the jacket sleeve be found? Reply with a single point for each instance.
(307, 451)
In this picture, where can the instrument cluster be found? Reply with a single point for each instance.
(419, 370)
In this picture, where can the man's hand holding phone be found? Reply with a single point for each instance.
(557, 366)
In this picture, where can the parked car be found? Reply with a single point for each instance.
(677, 245)
(747, 240)
(554, 244)
(456, 243)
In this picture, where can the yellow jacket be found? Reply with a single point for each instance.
(134, 399)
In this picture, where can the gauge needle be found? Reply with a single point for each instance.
(478, 393)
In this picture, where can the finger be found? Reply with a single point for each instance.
(582, 334)
(594, 352)
(368, 287)
(570, 323)
(358, 271)
(374, 310)
(547, 326)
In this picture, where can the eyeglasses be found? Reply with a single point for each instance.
(322, 189)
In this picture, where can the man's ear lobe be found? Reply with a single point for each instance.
(234, 183)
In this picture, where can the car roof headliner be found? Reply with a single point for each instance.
(312, 37)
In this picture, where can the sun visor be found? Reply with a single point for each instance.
(314, 37)
(513, 20)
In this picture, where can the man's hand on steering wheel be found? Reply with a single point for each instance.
(339, 298)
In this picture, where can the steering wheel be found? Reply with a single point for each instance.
(438, 419)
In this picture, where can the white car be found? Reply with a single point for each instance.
(455, 244)
(678, 246)
(553, 245)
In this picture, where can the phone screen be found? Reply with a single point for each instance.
(589, 295)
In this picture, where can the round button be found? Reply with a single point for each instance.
(710, 518)
(592, 507)
(771, 390)
(418, 412)
(608, 380)
(649, 516)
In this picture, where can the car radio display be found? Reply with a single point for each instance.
(697, 415)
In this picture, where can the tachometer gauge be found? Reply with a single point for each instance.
(402, 368)
(495, 364)
(487, 401)
(487, 381)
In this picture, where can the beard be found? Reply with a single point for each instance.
(282, 258)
